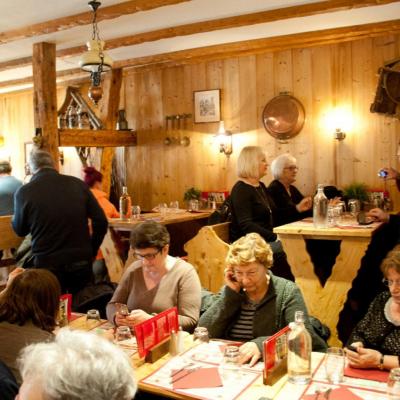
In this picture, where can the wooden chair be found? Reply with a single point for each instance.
(8, 240)
(207, 252)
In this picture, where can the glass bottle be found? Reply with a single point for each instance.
(122, 123)
(320, 208)
(72, 117)
(125, 202)
(299, 351)
(83, 118)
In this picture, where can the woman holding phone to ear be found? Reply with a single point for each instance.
(254, 303)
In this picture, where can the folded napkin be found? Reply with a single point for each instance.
(341, 393)
(369, 374)
(196, 378)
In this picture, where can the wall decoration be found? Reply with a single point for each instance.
(207, 107)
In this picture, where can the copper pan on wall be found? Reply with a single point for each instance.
(283, 117)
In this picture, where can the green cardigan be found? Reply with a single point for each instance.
(273, 313)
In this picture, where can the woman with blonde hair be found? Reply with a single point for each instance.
(254, 303)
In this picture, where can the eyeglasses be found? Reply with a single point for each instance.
(292, 168)
(390, 283)
(148, 256)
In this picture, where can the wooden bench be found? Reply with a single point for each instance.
(207, 252)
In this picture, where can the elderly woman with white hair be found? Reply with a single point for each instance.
(291, 204)
(77, 365)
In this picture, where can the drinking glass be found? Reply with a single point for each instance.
(174, 205)
(334, 364)
(92, 318)
(354, 207)
(163, 209)
(135, 212)
(332, 215)
(122, 309)
(393, 384)
(123, 333)
(193, 205)
(200, 335)
(230, 364)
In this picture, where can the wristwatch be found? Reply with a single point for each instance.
(380, 365)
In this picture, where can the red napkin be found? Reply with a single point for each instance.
(369, 374)
(199, 378)
(341, 393)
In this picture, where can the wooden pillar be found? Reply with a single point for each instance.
(109, 116)
(45, 96)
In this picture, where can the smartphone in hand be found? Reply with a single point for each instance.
(352, 348)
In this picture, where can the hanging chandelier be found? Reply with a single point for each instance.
(95, 60)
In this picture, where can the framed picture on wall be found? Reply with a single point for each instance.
(28, 146)
(207, 107)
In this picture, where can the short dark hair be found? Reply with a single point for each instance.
(5, 167)
(92, 176)
(33, 295)
(149, 234)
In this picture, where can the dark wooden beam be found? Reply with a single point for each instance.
(95, 138)
(45, 96)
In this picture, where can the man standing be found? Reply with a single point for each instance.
(55, 209)
(8, 186)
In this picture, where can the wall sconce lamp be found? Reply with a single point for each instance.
(339, 134)
(224, 139)
(95, 60)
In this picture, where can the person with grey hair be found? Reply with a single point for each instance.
(291, 204)
(77, 365)
(8, 186)
(55, 210)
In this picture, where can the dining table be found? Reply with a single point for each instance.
(325, 302)
(182, 226)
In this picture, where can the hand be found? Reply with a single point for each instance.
(138, 316)
(122, 320)
(378, 215)
(17, 271)
(248, 352)
(230, 280)
(358, 344)
(304, 205)
(391, 173)
(334, 201)
(363, 358)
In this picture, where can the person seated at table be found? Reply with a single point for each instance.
(291, 204)
(253, 210)
(254, 303)
(377, 336)
(28, 313)
(76, 365)
(94, 179)
(156, 281)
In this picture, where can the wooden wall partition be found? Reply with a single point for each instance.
(340, 75)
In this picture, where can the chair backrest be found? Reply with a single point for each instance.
(8, 238)
(207, 252)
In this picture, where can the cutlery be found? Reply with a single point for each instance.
(188, 372)
(181, 369)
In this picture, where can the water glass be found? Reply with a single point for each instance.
(354, 207)
(194, 205)
(123, 333)
(230, 364)
(332, 216)
(393, 384)
(135, 212)
(334, 364)
(93, 315)
(163, 209)
(200, 335)
(174, 206)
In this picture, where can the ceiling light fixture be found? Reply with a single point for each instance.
(95, 60)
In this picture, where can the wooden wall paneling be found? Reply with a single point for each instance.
(45, 95)
(322, 103)
(301, 146)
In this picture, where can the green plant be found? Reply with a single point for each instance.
(192, 194)
(356, 190)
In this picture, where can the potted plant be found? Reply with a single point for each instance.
(358, 191)
(192, 194)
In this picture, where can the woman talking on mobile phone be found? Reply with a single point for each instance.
(254, 303)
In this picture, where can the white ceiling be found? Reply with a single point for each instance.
(21, 13)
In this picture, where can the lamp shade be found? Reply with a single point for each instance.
(91, 60)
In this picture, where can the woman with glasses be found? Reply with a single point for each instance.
(375, 340)
(254, 303)
(291, 204)
(156, 281)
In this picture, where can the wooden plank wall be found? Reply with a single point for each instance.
(337, 75)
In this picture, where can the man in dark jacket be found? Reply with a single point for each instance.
(55, 209)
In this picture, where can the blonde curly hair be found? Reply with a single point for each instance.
(248, 249)
(392, 260)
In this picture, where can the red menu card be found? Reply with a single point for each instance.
(153, 331)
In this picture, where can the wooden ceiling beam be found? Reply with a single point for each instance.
(209, 53)
(95, 138)
(104, 13)
(213, 25)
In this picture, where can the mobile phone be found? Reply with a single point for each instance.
(233, 277)
(352, 348)
(382, 173)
